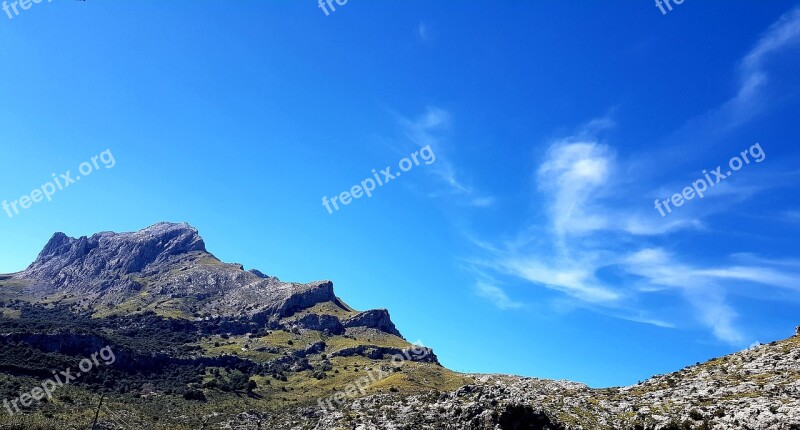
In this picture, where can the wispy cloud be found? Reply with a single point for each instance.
(595, 245)
(564, 274)
(482, 202)
(590, 231)
(753, 76)
(755, 93)
(571, 175)
(791, 215)
(424, 31)
(703, 287)
(750, 98)
(431, 128)
(495, 295)
(783, 34)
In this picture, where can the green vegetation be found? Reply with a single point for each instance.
(174, 373)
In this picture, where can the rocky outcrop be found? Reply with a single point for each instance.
(296, 361)
(261, 275)
(324, 323)
(378, 319)
(418, 354)
(282, 300)
(106, 256)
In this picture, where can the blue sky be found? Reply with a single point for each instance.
(531, 245)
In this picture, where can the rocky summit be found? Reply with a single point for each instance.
(202, 344)
(166, 268)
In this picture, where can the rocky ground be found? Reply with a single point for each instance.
(754, 389)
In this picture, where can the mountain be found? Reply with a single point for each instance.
(176, 339)
(166, 268)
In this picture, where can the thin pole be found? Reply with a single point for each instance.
(97, 412)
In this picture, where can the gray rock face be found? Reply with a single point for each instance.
(376, 318)
(103, 262)
(169, 262)
(328, 323)
(418, 354)
(262, 275)
(283, 299)
(108, 255)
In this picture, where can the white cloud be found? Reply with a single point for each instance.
(576, 280)
(594, 223)
(593, 242)
(791, 215)
(751, 98)
(429, 129)
(706, 287)
(701, 291)
(482, 202)
(423, 31)
(496, 295)
(784, 34)
(592, 227)
(571, 174)
(718, 315)
(753, 76)
(643, 226)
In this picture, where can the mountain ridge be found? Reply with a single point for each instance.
(114, 268)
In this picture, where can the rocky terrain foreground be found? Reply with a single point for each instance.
(754, 389)
(201, 344)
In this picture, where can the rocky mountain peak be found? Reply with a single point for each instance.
(168, 263)
(117, 253)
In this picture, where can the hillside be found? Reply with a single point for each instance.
(198, 343)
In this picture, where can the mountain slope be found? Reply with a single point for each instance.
(198, 343)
